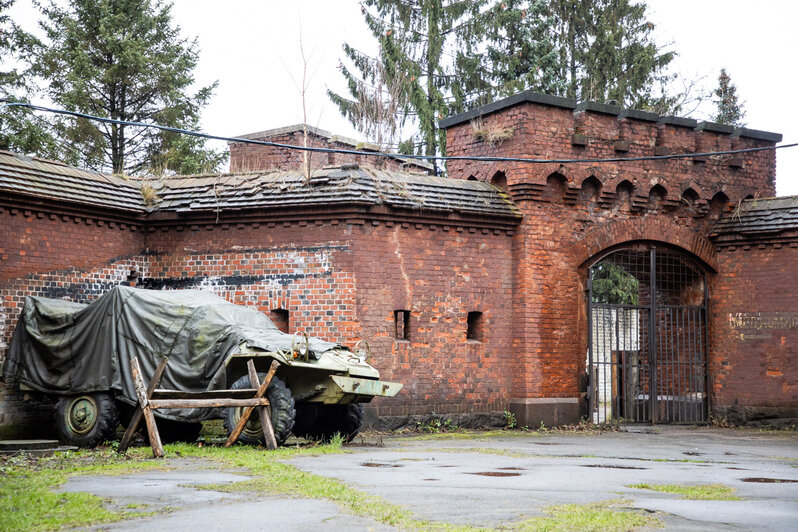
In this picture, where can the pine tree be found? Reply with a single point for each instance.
(413, 36)
(20, 130)
(512, 51)
(730, 109)
(125, 60)
(606, 52)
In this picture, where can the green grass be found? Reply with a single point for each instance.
(594, 517)
(463, 434)
(701, 492)
(28, 502)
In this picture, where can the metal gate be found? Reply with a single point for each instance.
(647, 320)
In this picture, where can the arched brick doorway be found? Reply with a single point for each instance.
(647, 342)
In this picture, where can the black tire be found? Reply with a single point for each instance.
(172, 431)
(281, 411)
(322, 422)
(86, 420)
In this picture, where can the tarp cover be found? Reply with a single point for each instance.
(67, 348)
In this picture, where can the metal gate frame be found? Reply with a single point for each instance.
(663, 352)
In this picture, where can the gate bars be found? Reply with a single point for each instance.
(647, 346)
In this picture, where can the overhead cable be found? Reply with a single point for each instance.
(316, 149)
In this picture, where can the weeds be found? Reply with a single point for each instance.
(509, 420)
(701, 492)
(493, 134)
(436, 426)
(597, 516)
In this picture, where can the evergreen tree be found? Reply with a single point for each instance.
(413, 36)
(606, 52)
(513, 51)
(613, 285)
(125, 60)
(20, 130)
(730, 109)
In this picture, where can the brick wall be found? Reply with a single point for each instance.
(439, 273)
(251, 157)
(754, 375)
(58, 255)
(344, 281)
(575, 211)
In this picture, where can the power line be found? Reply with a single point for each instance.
(385, 154)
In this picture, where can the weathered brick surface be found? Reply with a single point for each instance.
(40, 240)
(755, 330)
(246, 157)
(343, 282)
(341, 273)
(575, 212)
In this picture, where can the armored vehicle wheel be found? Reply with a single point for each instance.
(281, 411)
(322, 422)
(86, 420)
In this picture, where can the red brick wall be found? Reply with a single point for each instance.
(542, 131)
(40, 241)
(439, 273)
(61, 256)
(303, 270)
(754, 312)
(55, 255)
(251, 157)
(343, 282)
(574, 211)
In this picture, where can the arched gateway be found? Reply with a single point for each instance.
(647, 348)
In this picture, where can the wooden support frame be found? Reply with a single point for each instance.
(151, 398)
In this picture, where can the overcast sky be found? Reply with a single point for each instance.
(252, 48)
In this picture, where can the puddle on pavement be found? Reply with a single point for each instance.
(379, 464)
(496, 474)
(763, 480)
(510, 468)
(447, 466)
(727, 453)
(416, 459)
(431, 479)
(544, 443)
(613, 466)
(693, 453)
(738, 468)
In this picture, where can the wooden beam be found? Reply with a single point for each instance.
(141, 393)
(265, 419)
(248, 411)
(138, 413)
(245, 393)
(159, 404)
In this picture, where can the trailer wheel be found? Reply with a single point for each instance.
(281, 412)
(86, 420)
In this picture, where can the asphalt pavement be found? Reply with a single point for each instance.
(492, 481)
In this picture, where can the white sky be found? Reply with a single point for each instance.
(252, 48)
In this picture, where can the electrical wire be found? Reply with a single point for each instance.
(316, 149)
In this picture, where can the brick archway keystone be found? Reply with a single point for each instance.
(608, 235)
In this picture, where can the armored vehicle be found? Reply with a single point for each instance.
(81, 353)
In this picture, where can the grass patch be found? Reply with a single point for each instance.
(700, 492)
(462, 434)
(27, 499)
(273, 476)
(593, 517)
